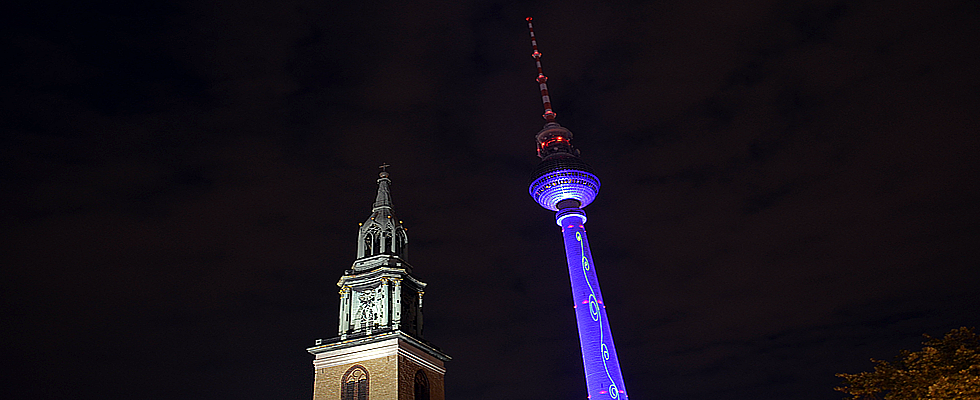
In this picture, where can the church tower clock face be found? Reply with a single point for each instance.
(379, 353)
(367, 309)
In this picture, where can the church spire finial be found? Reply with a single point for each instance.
(549, 114)
(384, 191)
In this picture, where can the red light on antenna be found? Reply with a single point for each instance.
(549, 115)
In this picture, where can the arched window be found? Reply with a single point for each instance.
(400, 243)
(354, 385)
(367, 245)
(421, 386)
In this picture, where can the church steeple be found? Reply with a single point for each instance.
(379, 352)
(378, 293)
(382, 240)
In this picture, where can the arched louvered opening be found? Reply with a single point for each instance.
(421, 386)
(388, 243)
(402, 244)
(367, 245)
(354, 385)
(398, 243)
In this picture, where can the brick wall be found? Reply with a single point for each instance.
(406, 381)
(391, 365)
(382, 379)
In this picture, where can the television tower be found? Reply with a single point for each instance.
(564, 183)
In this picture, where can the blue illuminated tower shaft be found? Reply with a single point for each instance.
(564, 183)
(602, 375)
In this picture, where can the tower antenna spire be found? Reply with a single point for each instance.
(549, 115)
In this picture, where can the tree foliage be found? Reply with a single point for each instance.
(947, 368)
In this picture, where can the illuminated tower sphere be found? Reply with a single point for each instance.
(379, 352)
(562, 182)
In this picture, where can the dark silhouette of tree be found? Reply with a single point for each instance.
(947, 368)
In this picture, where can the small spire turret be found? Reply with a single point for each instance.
(382, 240)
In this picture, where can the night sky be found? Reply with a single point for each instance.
(786, 194)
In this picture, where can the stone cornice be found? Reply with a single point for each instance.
(378, 273)
(375, 346)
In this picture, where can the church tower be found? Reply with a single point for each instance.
(379, 353)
